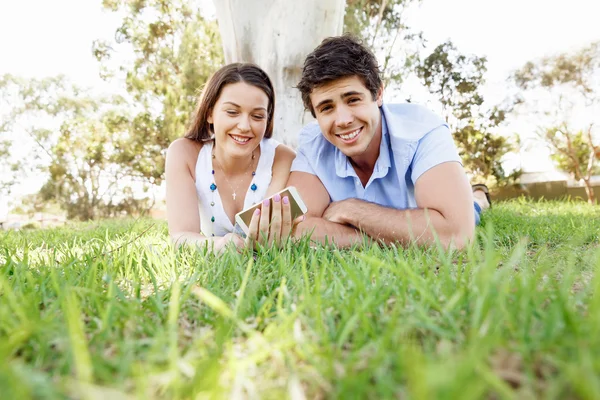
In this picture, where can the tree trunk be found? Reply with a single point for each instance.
(589, 190)
(277, 35)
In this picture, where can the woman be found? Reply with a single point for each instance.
(227, 161)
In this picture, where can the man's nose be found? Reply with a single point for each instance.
(344, 117)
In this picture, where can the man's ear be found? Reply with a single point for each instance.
(380, 96)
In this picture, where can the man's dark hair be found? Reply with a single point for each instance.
(339, 57)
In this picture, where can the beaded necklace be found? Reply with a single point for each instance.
(213, 186)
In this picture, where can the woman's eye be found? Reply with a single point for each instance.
(231, 112)
(258, 116)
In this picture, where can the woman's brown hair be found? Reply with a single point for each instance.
(251, 74)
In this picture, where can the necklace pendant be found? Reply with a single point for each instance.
(234, 195)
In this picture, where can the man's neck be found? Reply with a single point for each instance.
(364, 164)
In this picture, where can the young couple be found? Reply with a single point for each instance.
(390, 171)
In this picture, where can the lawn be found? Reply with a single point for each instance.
(109, 310)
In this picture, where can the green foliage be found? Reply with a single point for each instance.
(111, 310)
(175, 51)
(564, 77)
(578, 70)
(482, 152)
(381, 24)
(456, 79)
(573, 151)
(77, 146)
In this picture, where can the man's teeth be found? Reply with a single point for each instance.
(350, 135)
(240, 139)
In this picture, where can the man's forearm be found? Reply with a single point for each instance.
(321, 231)
(419, 225)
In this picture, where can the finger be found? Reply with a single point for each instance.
(239, 242)
(263, 234)
(298, 220)
(253, 229)
(295, 223)
(286, 215)
(275, 226)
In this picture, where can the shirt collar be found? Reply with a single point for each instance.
(344, 169)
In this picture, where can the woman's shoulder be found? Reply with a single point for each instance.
(284, 154)
(184, 148)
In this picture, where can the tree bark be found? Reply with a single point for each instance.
(589, 190)
(277, 35)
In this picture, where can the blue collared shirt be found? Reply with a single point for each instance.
(413, 140)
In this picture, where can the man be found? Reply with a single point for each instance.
(390, 171)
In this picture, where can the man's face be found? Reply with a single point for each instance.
(347, 114)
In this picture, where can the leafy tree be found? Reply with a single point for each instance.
(575, 153)
(455, 79)
(76, 144)
(565, 82)
(577, 71)
(482, 152)
(175, 50)
(382, 25)
(7, 168)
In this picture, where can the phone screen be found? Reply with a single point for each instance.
(296, 208)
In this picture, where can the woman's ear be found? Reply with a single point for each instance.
(209, 117)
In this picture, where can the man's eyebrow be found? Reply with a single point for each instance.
(326, 101)
(343, 96)
(352, 93)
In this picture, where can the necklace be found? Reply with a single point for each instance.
(233, 190)
(213, 187)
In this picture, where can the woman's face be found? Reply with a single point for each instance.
(239, 118)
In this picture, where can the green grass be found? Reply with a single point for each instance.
(111, 310)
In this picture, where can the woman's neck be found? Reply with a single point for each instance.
(234, 165)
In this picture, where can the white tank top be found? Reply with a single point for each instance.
(210, 204)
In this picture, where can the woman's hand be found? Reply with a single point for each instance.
(276, 228)
(220, 244)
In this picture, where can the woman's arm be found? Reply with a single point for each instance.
(182, 201)
(284, 156)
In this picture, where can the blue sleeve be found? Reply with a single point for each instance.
(435, 148)
(306, 146)
(301, 162)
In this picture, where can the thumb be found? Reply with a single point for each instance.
(298, 220)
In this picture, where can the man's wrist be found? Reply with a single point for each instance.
(349, 214)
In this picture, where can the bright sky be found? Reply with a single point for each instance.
(41, 38)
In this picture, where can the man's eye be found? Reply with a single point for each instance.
(353, 100)
(325, 109)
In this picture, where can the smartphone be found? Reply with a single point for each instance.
(298, 208)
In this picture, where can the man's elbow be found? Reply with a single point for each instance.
(459, 237)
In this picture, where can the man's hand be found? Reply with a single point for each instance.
(338, 211)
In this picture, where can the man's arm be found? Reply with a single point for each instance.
(445, 209)
(316, 198)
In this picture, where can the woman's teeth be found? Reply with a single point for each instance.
(240, 139)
